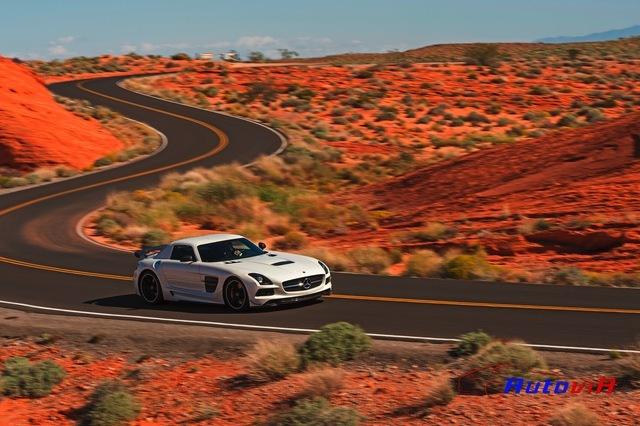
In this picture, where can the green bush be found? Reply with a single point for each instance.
(110, 404)
(467, 267)
(315, 412)
(21, 378)
(424, 263)
(471, 343)
(334, 344)
(291, 240)
(492, 365)
(373, 260)
(482, 54)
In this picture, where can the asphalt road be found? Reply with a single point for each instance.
(45, 263)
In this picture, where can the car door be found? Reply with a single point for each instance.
(182, 273)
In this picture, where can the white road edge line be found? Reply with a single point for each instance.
(290, 329)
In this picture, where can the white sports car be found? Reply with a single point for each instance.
(229, 269)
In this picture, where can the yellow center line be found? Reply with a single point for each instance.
(483, 304)
(224, 141)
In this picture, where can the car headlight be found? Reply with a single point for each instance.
(325, 267)
(262, 280)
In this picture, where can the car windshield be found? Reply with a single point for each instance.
(238, 248)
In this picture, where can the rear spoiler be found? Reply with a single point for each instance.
(147, 251)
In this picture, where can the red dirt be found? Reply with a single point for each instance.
(36, 132)
(171, 391)
(589, 173)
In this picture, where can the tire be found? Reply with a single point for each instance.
(235, 295)
(150, 288)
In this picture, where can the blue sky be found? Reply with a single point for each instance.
(49, 28)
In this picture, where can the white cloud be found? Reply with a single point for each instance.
(253, 42)
(126, 48)
(58, 49)
(65, 39)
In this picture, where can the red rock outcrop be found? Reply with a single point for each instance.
(35, 131)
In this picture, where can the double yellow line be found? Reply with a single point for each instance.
(224, 141)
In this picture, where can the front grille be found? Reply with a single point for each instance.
(303, 283)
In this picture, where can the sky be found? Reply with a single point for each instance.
(47, 29)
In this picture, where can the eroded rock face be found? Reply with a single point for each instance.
(35, 131)
(578, 241)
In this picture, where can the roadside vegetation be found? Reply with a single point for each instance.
(373, 123)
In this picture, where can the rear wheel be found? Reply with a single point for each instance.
(235, 295)
(150, 289)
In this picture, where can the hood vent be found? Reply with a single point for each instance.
(283, 262)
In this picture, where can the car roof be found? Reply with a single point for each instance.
(206, 239)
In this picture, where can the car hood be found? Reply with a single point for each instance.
(275, 265)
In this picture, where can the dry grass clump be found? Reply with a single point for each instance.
(439, 392)
(269, 360)
(323, 382)
(424, 263)
(574, 415)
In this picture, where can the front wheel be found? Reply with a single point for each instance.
(236, 296)
(150, 289)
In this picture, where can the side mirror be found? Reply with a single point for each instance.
(262, 245)
(187, 258)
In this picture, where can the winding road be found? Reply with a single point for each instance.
(45, 265)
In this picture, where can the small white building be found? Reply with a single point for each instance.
(206, 56)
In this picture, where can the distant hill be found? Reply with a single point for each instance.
(601, 36)
(624, 48)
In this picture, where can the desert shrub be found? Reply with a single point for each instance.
(567, 276)
(482, 54)
(424, 263)
(181, 56)
(370, 259)
(315, 412)
(155, 237)
(630, 371)
(334, 344)
(434, 231)
(440, 392)
(291, 240)
(467, 267)
(470, 343)
(323, 382)
(567, 120)
(335, 261)
(539, 91)
(22, 378)
(476, 118)
(574, 414)
(536, 225)
(110, 404)
(493, 364)
(272, 360)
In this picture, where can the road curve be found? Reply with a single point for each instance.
(45, 263)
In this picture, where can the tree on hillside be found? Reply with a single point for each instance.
(181, 57)
(483, 54)
(257, 57)
(288, 54)
(573, 53)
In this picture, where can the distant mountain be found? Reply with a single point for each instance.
(603, 36)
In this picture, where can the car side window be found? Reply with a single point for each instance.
(180, 252)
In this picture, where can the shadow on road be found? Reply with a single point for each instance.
(134, 302)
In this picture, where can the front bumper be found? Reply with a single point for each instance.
(297, 299)
(280, 296)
